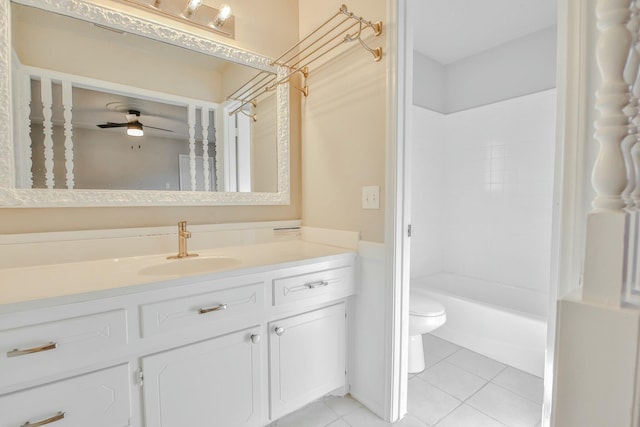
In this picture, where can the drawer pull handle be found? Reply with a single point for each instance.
(59, 416)
(209, 310)
(318, 284)
(279, 330)
(15, 352)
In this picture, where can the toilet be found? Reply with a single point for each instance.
(425, 315)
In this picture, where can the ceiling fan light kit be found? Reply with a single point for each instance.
(135, 129)
(133, 125)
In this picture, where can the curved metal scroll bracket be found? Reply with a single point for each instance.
(377, 30)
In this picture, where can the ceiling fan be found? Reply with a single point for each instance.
(134, 127)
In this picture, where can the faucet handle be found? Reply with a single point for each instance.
(182, 225)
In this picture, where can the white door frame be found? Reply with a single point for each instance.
(398, 203)
(571, 171)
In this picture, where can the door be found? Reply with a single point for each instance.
(214, 383)
(307, 358)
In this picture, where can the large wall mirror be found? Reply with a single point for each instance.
(102, 108)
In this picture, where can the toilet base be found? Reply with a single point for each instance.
(416, 354)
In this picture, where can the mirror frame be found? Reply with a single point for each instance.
(86, 10)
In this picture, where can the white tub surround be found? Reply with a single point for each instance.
(229, 335)
(479, 160)
(504, 323)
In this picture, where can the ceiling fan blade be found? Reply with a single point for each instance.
(112, 125)
(153, 127)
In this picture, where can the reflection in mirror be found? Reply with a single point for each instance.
(81, 90)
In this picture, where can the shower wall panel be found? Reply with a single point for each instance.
(482, 191)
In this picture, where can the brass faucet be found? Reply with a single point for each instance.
(183, 235)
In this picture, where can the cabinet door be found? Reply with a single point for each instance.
(213, 383)
(307, 358)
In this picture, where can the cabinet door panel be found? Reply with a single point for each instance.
(213, 383)
(307, 358)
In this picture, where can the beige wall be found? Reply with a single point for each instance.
(344, 127)
(255, 31)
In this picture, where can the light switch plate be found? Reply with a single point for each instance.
(371, 197)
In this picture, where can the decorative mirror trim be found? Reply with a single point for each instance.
(83, 9)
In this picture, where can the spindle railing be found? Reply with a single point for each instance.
(612, 267)
(48, 79)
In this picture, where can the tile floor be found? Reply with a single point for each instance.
(459, 388)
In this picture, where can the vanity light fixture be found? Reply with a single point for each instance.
(135, 129)
(192, 12)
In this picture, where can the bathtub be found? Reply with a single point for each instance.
(502, 322)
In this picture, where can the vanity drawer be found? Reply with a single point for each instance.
(100, 398)
(323, 285)
(32, 351)
(201, 309)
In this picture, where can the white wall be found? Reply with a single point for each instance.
(519, 67)
(367, 339)
(483, 207)
(429, 83)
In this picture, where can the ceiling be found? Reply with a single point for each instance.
(449, 30)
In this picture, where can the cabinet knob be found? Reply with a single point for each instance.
(279, 331)
(255, 338)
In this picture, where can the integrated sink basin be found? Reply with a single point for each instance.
(188, 266)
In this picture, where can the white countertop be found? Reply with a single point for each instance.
(110, 277)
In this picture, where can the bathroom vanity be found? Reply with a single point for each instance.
(172, 343)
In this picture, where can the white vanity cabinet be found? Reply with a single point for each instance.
(239, 349)
(307, 355)
(216, 382)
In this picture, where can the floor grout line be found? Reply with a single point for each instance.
(449, 413)
(516, 393)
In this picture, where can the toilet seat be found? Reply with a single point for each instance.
(424, 307)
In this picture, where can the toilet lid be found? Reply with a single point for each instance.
(420, 306)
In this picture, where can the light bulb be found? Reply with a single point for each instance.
(192, 6)
(223, 14)
(135, 129)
